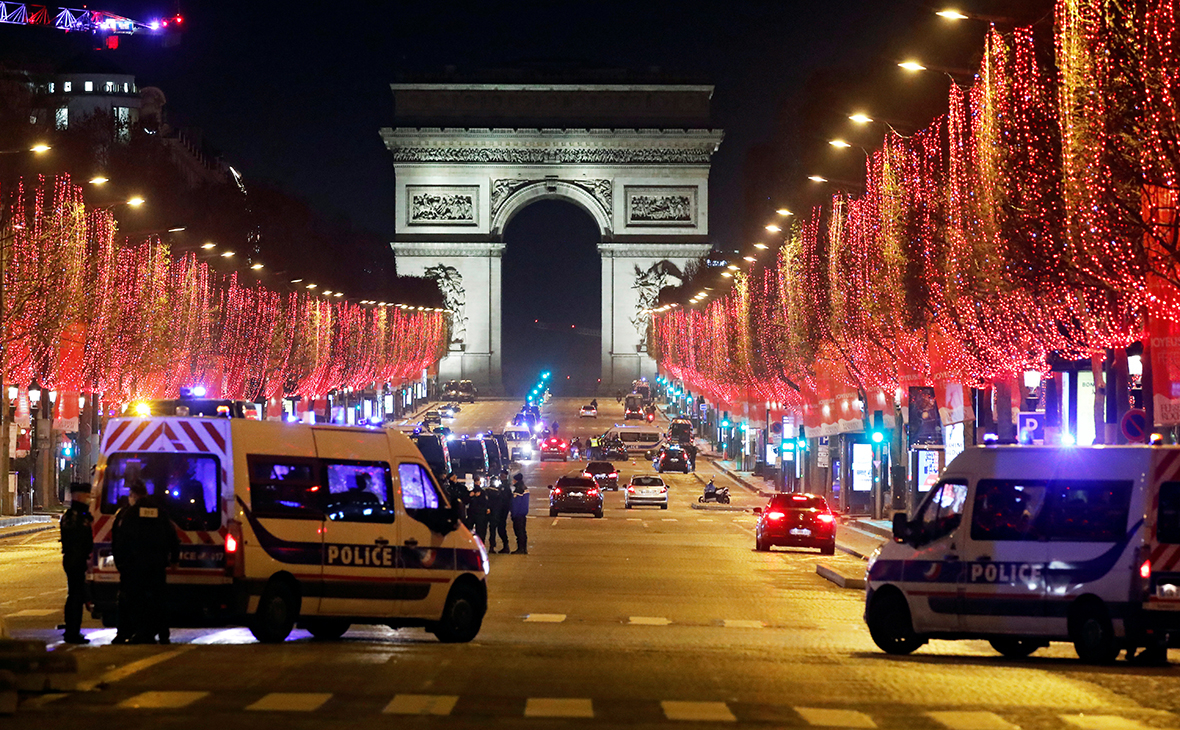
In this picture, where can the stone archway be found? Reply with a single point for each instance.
(469, 157)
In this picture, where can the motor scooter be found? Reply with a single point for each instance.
(720, 495)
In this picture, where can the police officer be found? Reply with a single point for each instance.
(478, 511)
(501, 505)
(77, 540)
(144, 543)
(520, 513)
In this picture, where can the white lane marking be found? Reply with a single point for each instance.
(698, 711)
(825, 717)
(635, 519)
(34, 612)
(555, 519)
(128, 669)
(558, 707)
(969, 720)
(738, 623)
(648, 621)
(544, 618)
(704, 519)
(292, 701)
(669, 519)
(1103, 722)
(161, 700)
(421, 705)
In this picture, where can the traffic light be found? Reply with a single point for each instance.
(802, 438)
(877, 433)
(725, 423)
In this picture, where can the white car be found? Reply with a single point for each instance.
(588, 412)
(646, 489)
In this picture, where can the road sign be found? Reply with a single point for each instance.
(1134, 426)
(1032, 424)
(704, 406)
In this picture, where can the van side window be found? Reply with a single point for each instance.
(418, 490)
(942, 511)
(285, 487)
(1008, 509)
(1167, 521)
(359, 491)
(1088, 510)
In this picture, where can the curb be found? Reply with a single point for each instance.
(717, 507)
(28, 531)
(871, 529)
(844, 581)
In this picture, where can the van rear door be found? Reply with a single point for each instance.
(360, 557)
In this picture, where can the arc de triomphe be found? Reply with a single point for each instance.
(468, 157)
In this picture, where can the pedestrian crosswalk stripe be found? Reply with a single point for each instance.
(558, 707)
(737, 623)
(648, 621)
(421, 705)
(292, 701)
(827, 717)
(544, 618)
(697, 711)
(968, 720)
(162, 700)
(1103, 722)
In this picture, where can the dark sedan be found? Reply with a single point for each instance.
(796, 520)
(575, 494)
(603, 473)
(672, 458)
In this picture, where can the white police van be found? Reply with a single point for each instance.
(636, 439)
(285, 524)
(1023, 545)
(521, 444)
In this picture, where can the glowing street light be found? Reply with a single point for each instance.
(312, 286)
(135, 202)
(773, 228)
(912, 66)
(751, 259)
(99, 180)
(860, 118)
(39, 148)
(255, 267)
(839, 143)
(784, 212)
(951, 14)
(761, 246)
(227, 255)
(726, 275)
(733, 267)
(817, 178)
(208, 246)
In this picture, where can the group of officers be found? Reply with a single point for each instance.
(143, 543)
(485, 509)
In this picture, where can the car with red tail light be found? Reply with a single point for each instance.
(796, 520)
(575, 494)
(646, 489)
(603, 473)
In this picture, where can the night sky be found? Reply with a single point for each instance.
(295, 93)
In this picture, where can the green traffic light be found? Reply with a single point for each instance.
(878, 437)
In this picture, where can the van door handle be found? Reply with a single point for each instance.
(411, 543)
(381, 541)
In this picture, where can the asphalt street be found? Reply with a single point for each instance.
(645, 617)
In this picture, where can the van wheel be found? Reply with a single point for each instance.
(598, 514)
(1093, 634)
(1014, 647)
(890, 624)
(326, 629)
(552, 513)
(760, 546)
(277, 611)
(461, 617)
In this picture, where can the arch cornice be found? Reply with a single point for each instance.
(551, 190)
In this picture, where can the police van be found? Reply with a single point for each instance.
(286, 524)
(521, 445)
(636, 439)
(1023, 545)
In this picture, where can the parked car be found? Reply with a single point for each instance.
(646, 489)
(432, 418)
(554, 448)
(448, 411)
(575, 494)
(672, 458)
(460, 390)
(796, 520)
(603, 473)
(588, 411)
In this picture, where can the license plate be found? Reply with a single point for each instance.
(575, 494)
(801, 532)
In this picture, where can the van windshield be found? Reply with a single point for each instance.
(186, 485)
(633, 437)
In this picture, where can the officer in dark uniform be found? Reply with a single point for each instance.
(77, 540)
(144, 543)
